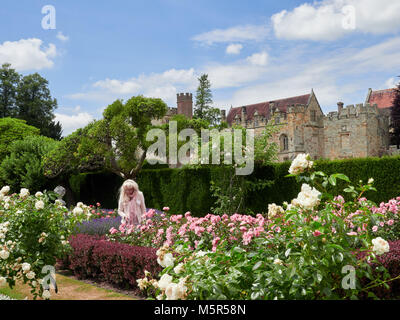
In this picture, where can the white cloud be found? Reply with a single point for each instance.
(163, 85)
(239, 33)
(391, 83)
(334, 76)
(258, 59)
(70, 123)
(326, 20)
(62, 37)
(234, 48)
(27, 54)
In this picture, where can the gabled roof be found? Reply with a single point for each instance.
(383, 98)
(263, 107)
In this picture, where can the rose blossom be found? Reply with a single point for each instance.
(381, 246)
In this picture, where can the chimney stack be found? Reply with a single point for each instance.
(185, 104)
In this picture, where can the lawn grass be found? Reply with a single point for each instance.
(68, 289)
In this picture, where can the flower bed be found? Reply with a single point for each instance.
(33, 232)
(302, 251)
(120, 264)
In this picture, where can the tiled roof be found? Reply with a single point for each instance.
(263, 107)
(383, 98)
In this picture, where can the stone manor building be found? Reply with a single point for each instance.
(354, 131)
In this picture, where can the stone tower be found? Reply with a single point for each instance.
(185, 104)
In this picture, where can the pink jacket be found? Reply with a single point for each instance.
(133, 210)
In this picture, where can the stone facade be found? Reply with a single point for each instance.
(350, 132)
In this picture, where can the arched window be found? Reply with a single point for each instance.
(284, 142)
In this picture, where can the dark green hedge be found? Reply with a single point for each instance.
(189, 189)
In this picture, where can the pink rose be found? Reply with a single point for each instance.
(352, 233)
(113, 230)
(166, 209)
(316, 233)
(390, 222)
(374, 228)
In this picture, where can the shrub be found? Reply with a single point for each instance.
(300, 255)
(33, 233)
(119, 264)
(23, 167)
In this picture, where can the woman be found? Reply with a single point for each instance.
(131, 206)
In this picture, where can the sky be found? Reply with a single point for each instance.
(94, 52)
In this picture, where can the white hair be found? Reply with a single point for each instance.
(128, 184)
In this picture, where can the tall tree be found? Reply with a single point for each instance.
(9, 80)
(203, 98)
(36, 106)
(117, 142)
(395, 121)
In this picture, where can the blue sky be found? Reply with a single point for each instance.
(253, 51)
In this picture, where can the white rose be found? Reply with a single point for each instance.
(278, 261)
(164, 281)
(3, 281)
(381, 246)
(34, 284)
(39, 205)
(200, 254)
(142, 283)
(168, 260)
(79, 204)
(4, 254)
(38, 194)
(26, 267)
(300, 164)
(24, 193)
(30, 275)
(77, 211)
(179, 268)
(5, 190)
(6, 206)
(370, 180)
(172, 291)
(274, 210)
(308, 198)
(46, 294)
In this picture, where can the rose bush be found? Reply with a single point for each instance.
(34, 231)
(300, 254)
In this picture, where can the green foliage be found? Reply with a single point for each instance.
(266, 185)
(68, 157)
(36, 106)
(23, 167)
(203, 109)
(11, 130)
(9, 80)
(301, 253)
(120, 137)
(34, 233)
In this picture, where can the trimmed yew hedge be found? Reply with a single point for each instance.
(189, 189)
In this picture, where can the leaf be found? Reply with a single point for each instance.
(257, 265)
(336, 246)
(332, 180)
(341, 176)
